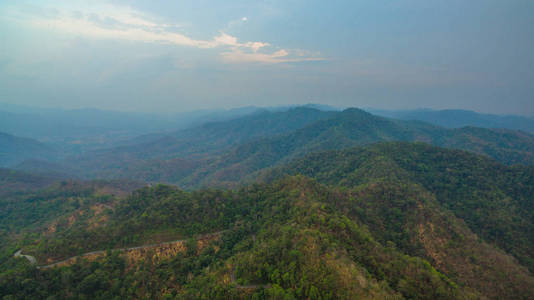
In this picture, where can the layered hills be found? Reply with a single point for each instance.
(294, 204)
(15, 150)
(456, 118)
(186, 150)
(390, 220)
(494, 201)
(224, 153)
(355, 127)
(79, 130)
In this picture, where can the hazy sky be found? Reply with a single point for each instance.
(182, 55)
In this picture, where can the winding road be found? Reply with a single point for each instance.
(30, 258)
(33, 261)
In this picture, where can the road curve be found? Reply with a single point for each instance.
(33, 261)
(30, 258)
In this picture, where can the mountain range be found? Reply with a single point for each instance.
(15, 150)
(456, 118)
(224, 153)
(290, 203)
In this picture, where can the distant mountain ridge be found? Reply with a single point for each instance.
(87, 129)
(456, 118)
(14, 150)
(225, 152)
(76, 131)
(354, 127)
(217, 136)
(186, 150)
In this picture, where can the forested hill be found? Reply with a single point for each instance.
(315, 130)
(224, 153)
(495, 201)
(13, 181)
(30, 201)
(214, 137)
(394, 220)
(217, 136)
(354, 127)
(170, 157)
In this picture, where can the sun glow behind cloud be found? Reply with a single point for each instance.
(123, 23)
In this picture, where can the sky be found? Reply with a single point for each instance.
(163, 55)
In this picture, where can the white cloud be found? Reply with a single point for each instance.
(123, 23)
(237, 55)
(226, 39)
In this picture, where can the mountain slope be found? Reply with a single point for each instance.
(88, 129)
(13, 181)
(224, 153)
(293, 238)
(355, 127)
(14, 150)
(494, 200)
(31, 201)
(298, 243)
(186, 149)
(217, 136)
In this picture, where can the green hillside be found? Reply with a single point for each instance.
(386, 221)
(26, 206)
(495, 201)
(354, 127)
(13, 181)
(189, 146)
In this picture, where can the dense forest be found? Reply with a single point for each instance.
(389, 220)
(266, 150)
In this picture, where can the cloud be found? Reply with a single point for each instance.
(117, 24)
(251, 52)
(238, 55)
(123, 23)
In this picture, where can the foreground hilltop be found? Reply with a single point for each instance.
(393, 220)
(495, 201)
